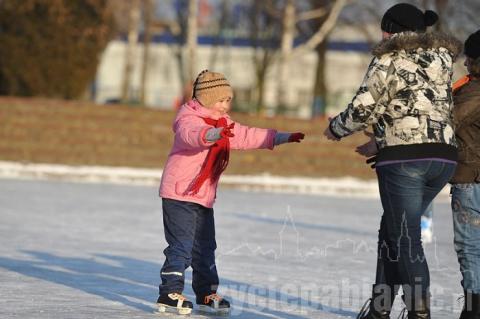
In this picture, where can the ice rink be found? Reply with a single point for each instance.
(71, 250)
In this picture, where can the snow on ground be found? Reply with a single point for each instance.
(73, 250)
(340, 186)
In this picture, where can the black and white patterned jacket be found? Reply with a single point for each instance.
(406, 95)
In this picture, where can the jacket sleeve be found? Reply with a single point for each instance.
(465, 110)
(461, 123)
(190, 133)
(247, 138)
(368, 103)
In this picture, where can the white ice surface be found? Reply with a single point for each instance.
(73, 250)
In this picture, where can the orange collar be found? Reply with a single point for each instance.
(461, 82)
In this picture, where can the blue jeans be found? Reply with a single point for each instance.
(406, 190)
(466, 227)
(190, 233)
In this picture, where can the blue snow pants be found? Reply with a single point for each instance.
(190, 233)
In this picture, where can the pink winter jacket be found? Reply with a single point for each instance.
(190, 150)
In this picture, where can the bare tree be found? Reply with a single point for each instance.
(132, 39)
(264, 35)
(459, 17)
(324, 30)
(141, 12)
(148, 20)
(328, 12)
(192, 35)
(469, 12)
(440, 7)
(286, 49)
(222, 27)
(185, 29)
(315, 18)
(364, 15)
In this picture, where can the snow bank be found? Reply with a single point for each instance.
(345, 186)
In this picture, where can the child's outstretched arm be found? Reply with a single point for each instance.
(256, 138)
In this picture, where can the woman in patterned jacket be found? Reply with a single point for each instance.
(406, 96)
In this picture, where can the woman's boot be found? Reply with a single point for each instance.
(419, 309)
(471, 307)
(379, 306)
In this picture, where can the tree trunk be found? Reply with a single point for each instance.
(288, 36)
(147, 35)
(441, 6)
(222, 27)
(133, 20)
(260, 95)
(192, 34)
(324, 30)
(262, 66)
(320, 88)
(261, 32)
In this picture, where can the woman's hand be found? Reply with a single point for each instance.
(368, 149)
(328, 133)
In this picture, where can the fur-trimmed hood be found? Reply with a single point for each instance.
(412, 41)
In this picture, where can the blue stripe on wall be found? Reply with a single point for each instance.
(243, 42)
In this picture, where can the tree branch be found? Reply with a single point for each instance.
(324, 30)
(312, 14)
(272, 11)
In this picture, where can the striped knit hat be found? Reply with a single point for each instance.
(211, 87)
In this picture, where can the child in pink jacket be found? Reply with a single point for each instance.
(204, 135)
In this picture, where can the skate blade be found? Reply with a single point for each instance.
(213, 311)
(169, 309)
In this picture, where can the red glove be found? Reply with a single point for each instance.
(296, 137)
(227, 131)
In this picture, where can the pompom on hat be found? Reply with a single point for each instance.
(211, 87)
(406, 17)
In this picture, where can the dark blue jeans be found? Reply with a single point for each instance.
(190, 233)
(406, 190)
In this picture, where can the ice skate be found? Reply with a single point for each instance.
(174, 303)
(213, 304)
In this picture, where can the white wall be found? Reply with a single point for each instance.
(345, 71)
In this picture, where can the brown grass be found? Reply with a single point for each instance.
(82, 133)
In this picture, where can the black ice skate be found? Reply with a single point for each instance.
(174, 302)
(213, 304)
(369, 312)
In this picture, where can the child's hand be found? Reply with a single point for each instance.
(296, 137)
(216, 133)
(227, 131)
(283, 137)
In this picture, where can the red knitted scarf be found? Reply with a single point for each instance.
(215, 162)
